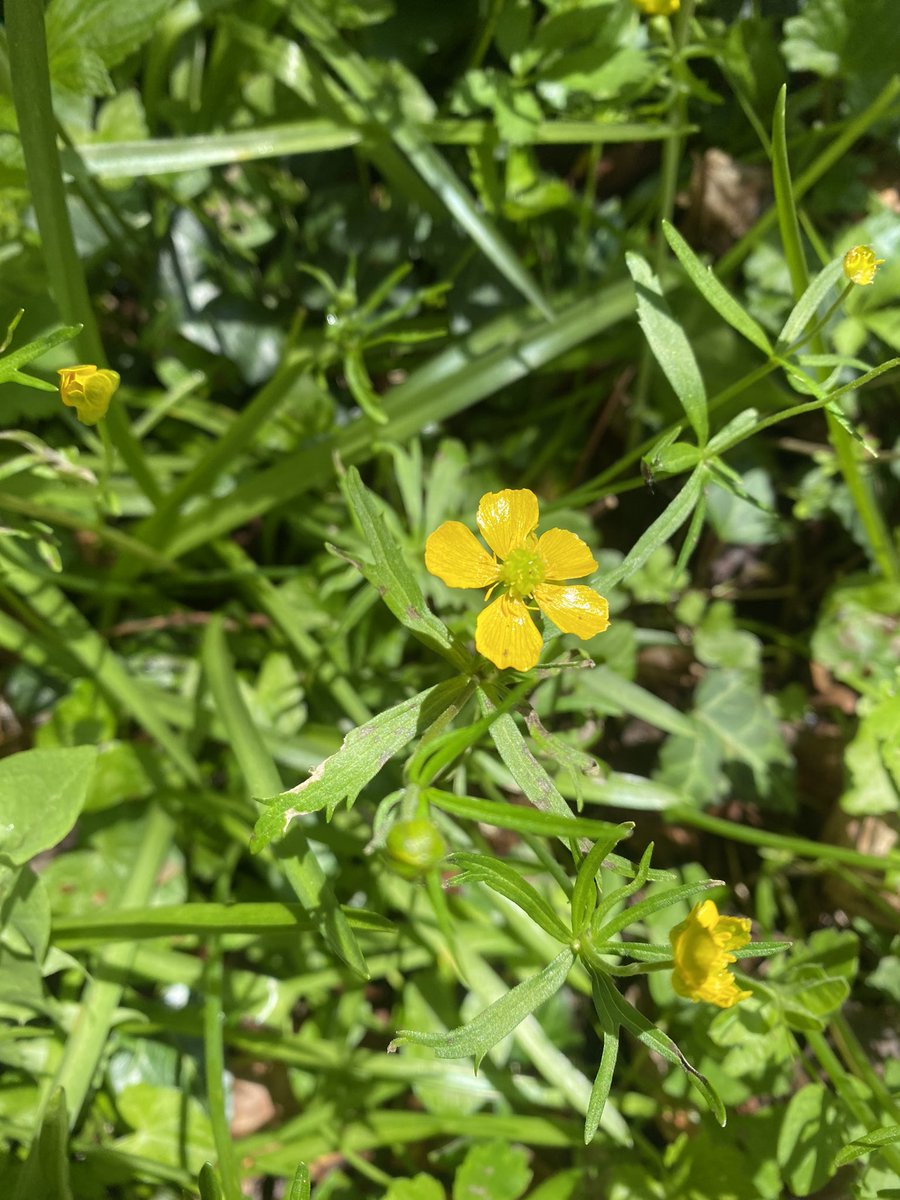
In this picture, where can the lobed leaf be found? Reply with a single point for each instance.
(363, 753)
(504, 879)
(669, 344)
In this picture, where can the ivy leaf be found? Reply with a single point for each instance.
(855, 40)
(731, 706)
(492, 1171)
(41, 794)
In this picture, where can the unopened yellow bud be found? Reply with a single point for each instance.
(860, 265)
(658, 8)
(88, 390)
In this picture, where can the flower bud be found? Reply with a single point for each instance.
(860, 265)
(414, 847)
(87, 390)
(658, 8)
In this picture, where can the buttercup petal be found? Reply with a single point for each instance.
(565, 555)
(506, 634)
(454, 554)
(731, 933)
(88, 390)
(507, 518)
(700, 946)
(573, 608)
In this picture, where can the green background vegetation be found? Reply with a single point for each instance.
(459, 247)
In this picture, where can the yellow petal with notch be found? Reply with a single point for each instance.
(506, 634)
(507, 519)
(566, 556)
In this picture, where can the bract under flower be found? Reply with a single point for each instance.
(88, 390)
(700, 946)
(523, 565)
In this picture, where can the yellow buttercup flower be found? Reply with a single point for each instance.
(88, 390)
(860, 265)
(658, 8)
(523, 565)
(700, 948)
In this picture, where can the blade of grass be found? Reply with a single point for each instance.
(884, 551)
(482, 364)
(799, 847)
(59, 619)
(166, 156)
(30, 76)
(100, 999)
(850, 133)
(295, 856)
(164, 920)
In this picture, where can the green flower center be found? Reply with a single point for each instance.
(522, 572)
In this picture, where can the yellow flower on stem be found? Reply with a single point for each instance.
(700, 946)
(523, 565)
(860, 265)
(88, 390)
(658, 8)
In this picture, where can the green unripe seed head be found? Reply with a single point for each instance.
(415, 847)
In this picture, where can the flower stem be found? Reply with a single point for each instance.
(844, 1086)
(30, 77)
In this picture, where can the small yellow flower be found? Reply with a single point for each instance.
(527, 566)
(860, 265)
(700, 948)
(658, 8)
(87, 390)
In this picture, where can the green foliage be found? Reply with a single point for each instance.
(359, 264)
(42, 793)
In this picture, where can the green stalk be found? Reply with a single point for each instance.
(669, 167)
(214, 1055)
(90, 1032)
(800, 847)
(850, 134)
(857, 1061)
(673, 145)
(30, 78)
(858, 484)
(296, 859)
(844, 1086)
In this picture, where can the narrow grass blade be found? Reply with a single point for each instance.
(885, 1136)
(524, 820)
(480, 365)
(168, 156)
(807, 306)
(785, 205)
(170, 920)
(50, 606)
(506, 880)
(299, 863)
